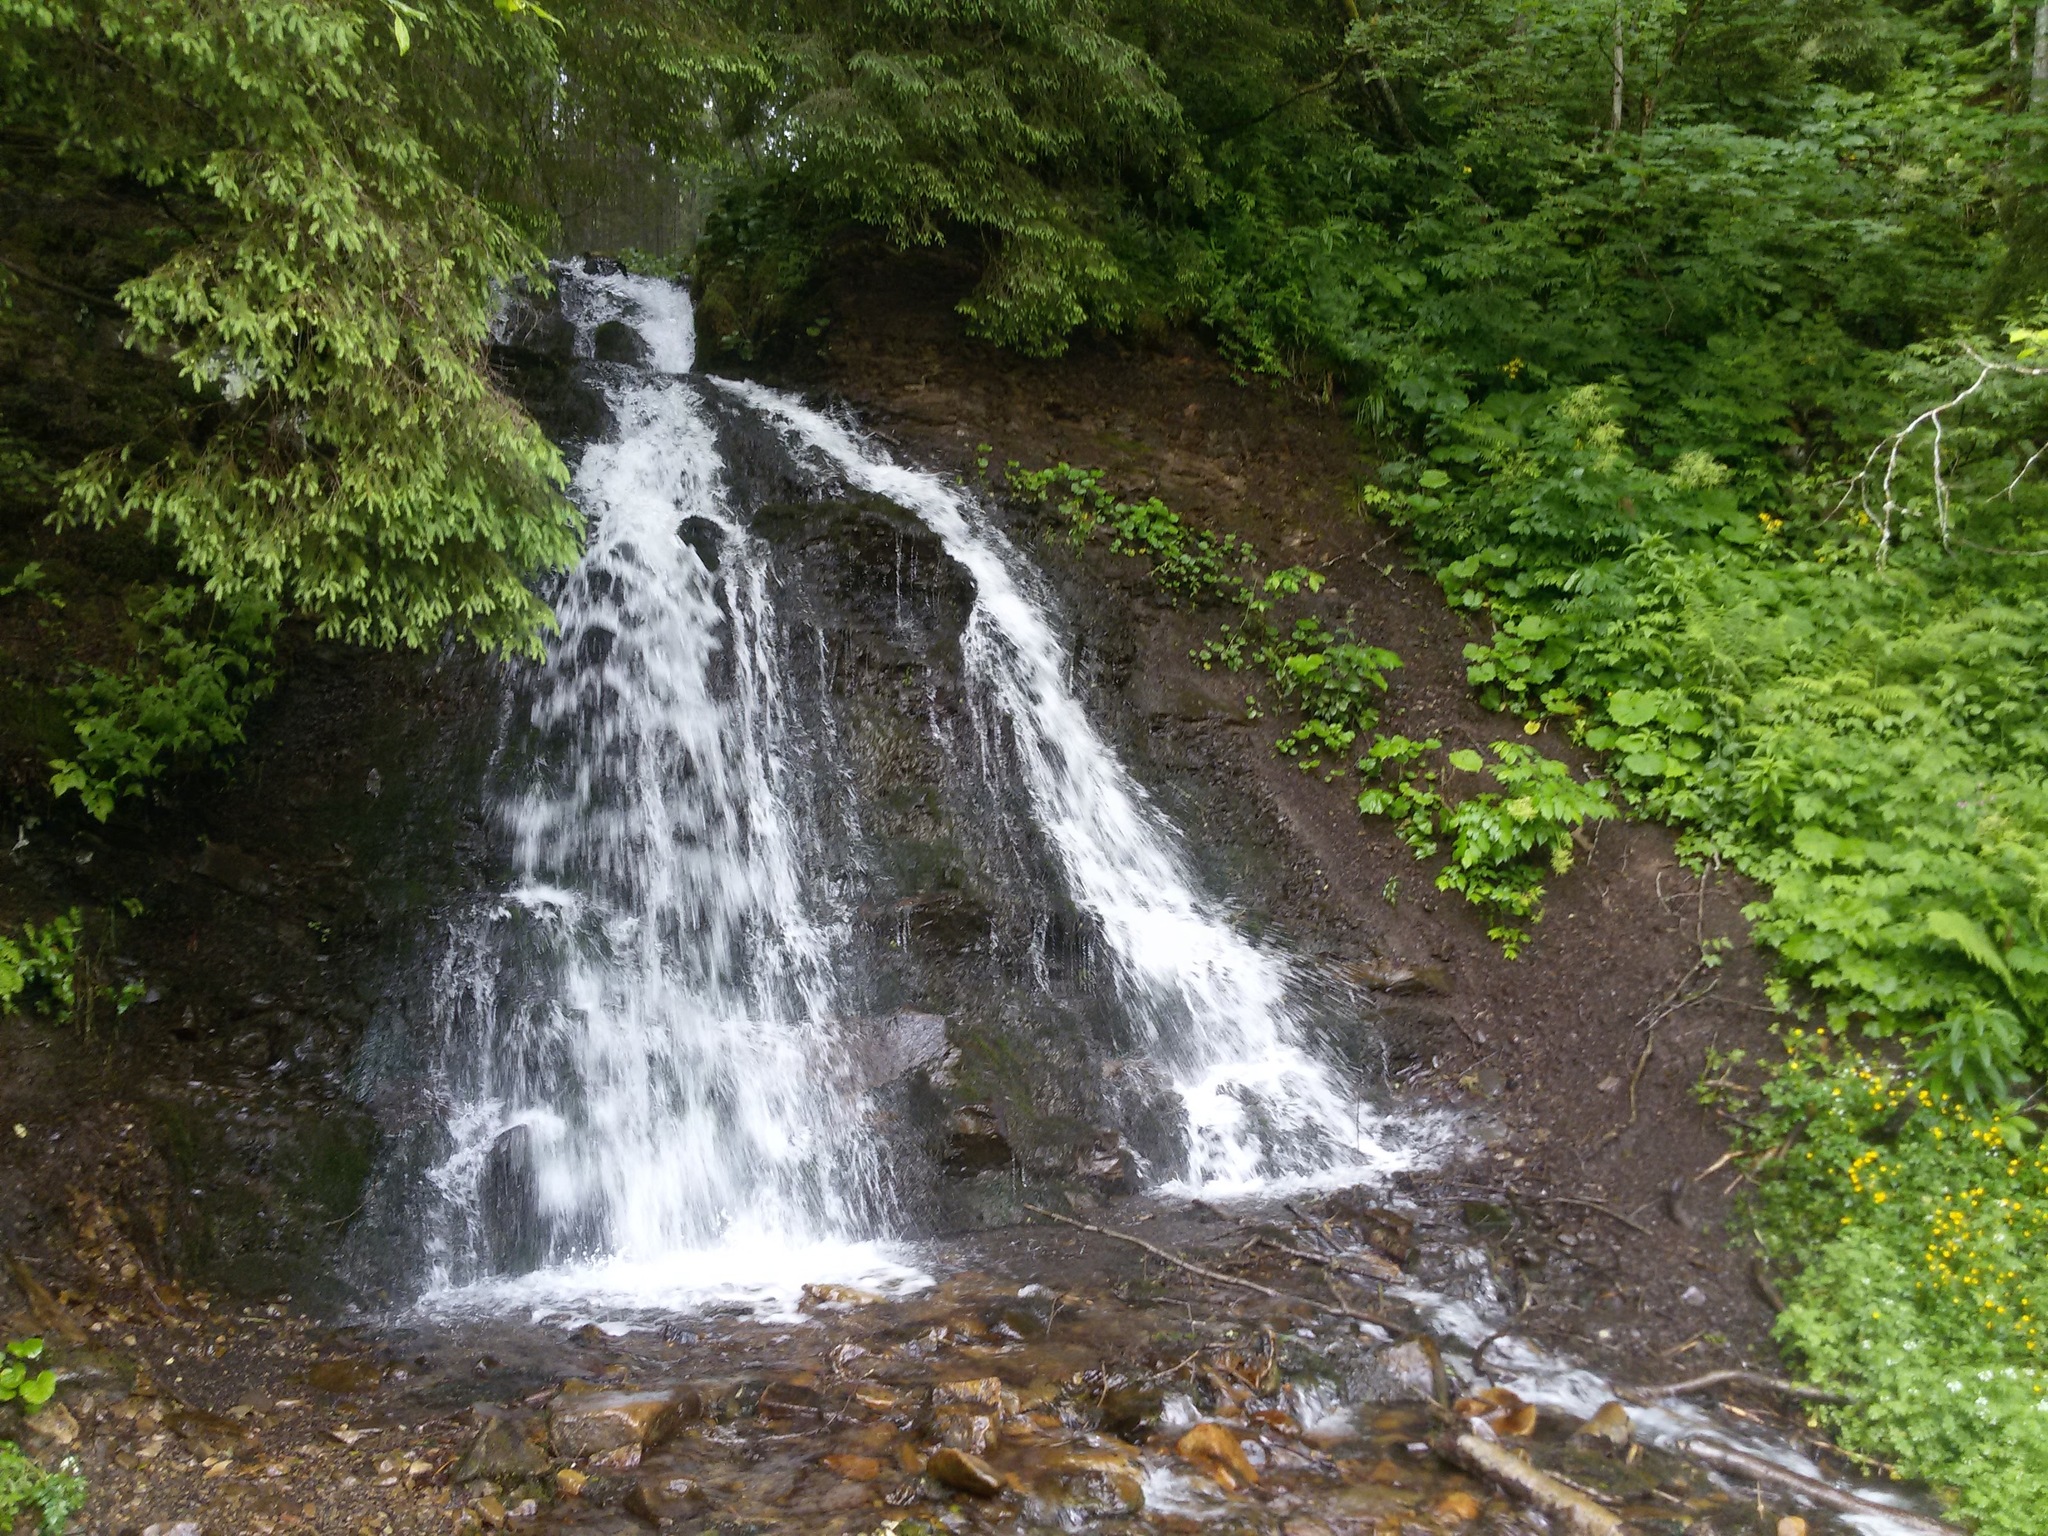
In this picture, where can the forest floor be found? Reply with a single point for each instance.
(1596, 1190)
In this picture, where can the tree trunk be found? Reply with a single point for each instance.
(1621, 75)
(2037, 96)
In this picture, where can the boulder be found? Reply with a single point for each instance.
(1088, 1483)
(663, 1501)
(593, 1423)
(617, 342)
(508, 1448)
(1108, 1164)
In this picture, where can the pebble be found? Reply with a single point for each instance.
(967, 1473)
(1216, 1451)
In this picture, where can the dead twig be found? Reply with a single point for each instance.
(1755, 1469)
(1595, 1205)
(1757, 1379)
(1215, 1275)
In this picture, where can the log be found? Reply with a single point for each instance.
(1515, 1474)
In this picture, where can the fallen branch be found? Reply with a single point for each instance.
(1595, 1205)
(1757, 1379)
(1371, 1265)
(1216, 1275)
(1756, 1470)
(1574, 1513)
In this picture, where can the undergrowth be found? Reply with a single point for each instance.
(54, 971)
(1916, 1223)
(197, 670)
(27, 1488)
(1502, 841)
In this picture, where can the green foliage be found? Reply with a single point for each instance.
(1502, 841)
(322, 286)
(16, 1380)
(182, 700)
(50, 966)
(1866, 740)
(52, 1496)
(1919, 1224)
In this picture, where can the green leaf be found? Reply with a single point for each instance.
(1968, 936)
(1466, 759)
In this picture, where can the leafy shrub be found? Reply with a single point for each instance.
(1867, 740)
(182, 700)
(1919, 1223)
(53, 1497)
(50, 967)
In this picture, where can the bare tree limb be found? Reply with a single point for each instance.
(1756, 1470)
(1216, 1275)
(1757, 1379)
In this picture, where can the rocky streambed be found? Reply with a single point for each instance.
(1246, 1370)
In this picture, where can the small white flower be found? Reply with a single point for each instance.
(1955, 1386)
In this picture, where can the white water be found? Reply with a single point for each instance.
(678, 1076)
(1215, 1008)
(653, 1001)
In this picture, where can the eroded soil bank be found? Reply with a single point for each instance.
(183, 1193)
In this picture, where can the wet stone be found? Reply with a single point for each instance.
(1216, 1451)
(594, 1423)
(345, 1378)
(962, 1428)
(788, 1400)
(1609, 1428)
(507, 1447)
(1130, 1411)
(1406, 1372)
(975, 1140)
(663, 1501)
(1097, 1481)
(213, 1433)
(965, 1472)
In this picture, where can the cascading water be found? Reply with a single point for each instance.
(1213, 1006)
(641, 1054)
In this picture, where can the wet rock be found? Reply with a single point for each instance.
(1089, 1482)
(977, 1392)
(1500, 1410)
(508, 1448)
(53, 1424)
(975, 1140)
(345, 1378)
(617, 342)
(1693, 1296)
(828, 1295)
(98, 1370)
(663, 1501)
(1026, 1317)
(1405, 1372)
(1129, 1412)
(213, 1433)
(1458, 1507)
(508, 1198)
(789, 1400)
(1792, 1525)
(1389, 1231)
(593, 1423)
(855, 1469)
(965, 1472)
(225, 864)
(887, 1050)
(1609, 1429)
(1398, 978)
(1217, 1452)
(569, 1483)
(1108, 1164)
(973, 1430)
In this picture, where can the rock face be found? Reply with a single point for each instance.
(515, 1236)
(593, 1423)
(975, 1140)
(887, 1050)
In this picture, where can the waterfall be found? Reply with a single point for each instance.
(640, 1055)
(1215, 1008)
